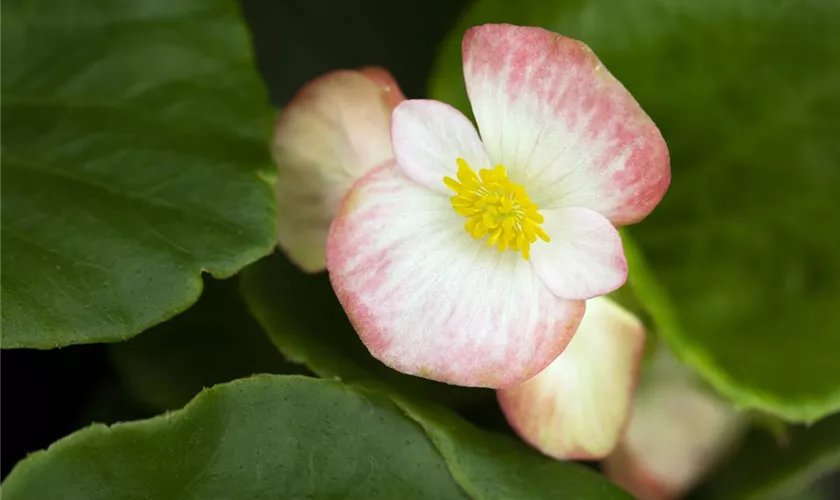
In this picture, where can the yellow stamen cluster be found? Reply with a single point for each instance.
(496, 207)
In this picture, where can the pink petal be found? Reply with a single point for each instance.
(428, 139)
(678, 432)
(584, 258)
(429, 300)
(577, 407)
(560, 122)
(391, 93)
(333, 131)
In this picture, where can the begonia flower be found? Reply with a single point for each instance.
(334, 130)
(468, 260)
(578, 406)
(677, 433)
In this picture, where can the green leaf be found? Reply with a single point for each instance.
(215, 341)
(766, 468)
(134, 157)
(304, 320)
(494, 466)
(744, 263)
(266, 437)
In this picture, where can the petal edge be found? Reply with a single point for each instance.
(428, 138)
(578, 407)
(332, 131)
(585, 257)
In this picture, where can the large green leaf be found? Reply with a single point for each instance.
(766, 468)
(266, 437)
(303, 319)
(743, 252)
(134, 157)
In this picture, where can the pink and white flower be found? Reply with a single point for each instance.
(578, 407)
(468, 260)
(333, 131)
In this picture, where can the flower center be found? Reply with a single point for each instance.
(497, 208)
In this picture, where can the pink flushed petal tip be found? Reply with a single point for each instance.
(334, 130)
(391, 92)
(556, 118)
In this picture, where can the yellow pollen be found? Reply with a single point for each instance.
(496, 208)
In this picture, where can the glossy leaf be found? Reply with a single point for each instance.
(744, 270)
(266, 437)
(485, 464)
(134, 157)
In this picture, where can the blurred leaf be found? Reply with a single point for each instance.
(134, 157)
(215, 341)
(744, 270)
(303, 318)
(764, 468)
(807, 494)
(266, 437)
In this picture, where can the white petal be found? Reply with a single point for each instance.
(428, 139)
(577, 407)
(429, 300)
(584, 258)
